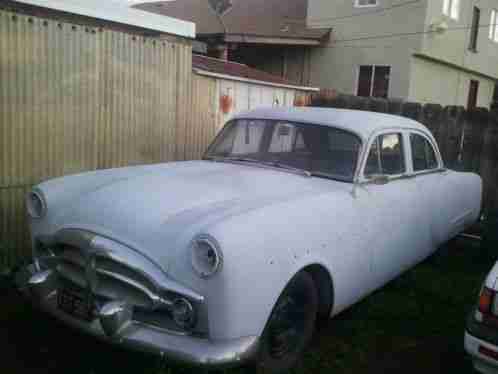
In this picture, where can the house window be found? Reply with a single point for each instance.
(473, 92)
(373, 80)
(365, 3)
(474, 32)
(493, 26)
(451, 8)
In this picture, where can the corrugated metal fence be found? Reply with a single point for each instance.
(76, 98)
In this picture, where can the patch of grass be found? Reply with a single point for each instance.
(414, 324)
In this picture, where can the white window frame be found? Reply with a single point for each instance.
(358, 5)
(435, 149)
(358, 67)
(493, 26)
(373, 138)
(451, 9)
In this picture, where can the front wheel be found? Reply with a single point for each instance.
(290, 326)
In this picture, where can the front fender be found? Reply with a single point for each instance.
(255, 272)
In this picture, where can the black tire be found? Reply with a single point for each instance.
(290, 326)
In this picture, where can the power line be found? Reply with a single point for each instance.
(387, 36)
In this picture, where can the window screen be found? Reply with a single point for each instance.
(423, 155)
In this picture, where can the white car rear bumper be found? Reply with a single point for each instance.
(482, 363)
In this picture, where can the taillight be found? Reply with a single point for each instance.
(486, 300)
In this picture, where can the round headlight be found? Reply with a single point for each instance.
(183, 313)
(35, 204)
(207, 258)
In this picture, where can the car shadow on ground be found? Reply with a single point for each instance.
(413, 325)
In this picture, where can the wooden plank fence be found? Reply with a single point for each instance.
(468, 140)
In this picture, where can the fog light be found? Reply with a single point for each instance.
(183, 313)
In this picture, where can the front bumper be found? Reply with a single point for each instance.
(189, 349)
(480, 338)
(482, 363)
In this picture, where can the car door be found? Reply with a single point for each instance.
(438, 201)
(388, 198)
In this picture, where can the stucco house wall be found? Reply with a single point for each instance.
(425, 66)
(440, 81)
(437, 83)
(359, 37)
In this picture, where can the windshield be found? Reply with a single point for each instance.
(320, 150)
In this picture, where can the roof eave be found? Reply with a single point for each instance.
(256, 39)
(122, 15)
(253, 81)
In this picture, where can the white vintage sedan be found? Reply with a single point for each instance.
(292, 216)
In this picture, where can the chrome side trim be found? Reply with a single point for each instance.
(406, 176)
(430, 171)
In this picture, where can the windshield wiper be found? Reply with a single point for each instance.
(275, 164)
(330, 176)
(279, 165)
(241, 159)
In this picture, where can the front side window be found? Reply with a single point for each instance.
(365, 3)
(373, 81)
(423, 155)
(320, 150)
(385, 156)
(451, 8)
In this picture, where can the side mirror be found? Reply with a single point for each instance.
(379, 179)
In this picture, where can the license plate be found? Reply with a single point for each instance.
(75, 303)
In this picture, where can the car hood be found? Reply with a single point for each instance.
(158, 210)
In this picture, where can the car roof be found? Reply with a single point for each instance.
(360, 122)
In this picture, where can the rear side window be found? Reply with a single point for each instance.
(423, 155)
(386, 156)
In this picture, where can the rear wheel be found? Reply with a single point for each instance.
(291, 324)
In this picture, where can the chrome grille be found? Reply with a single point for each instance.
(115, 281)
